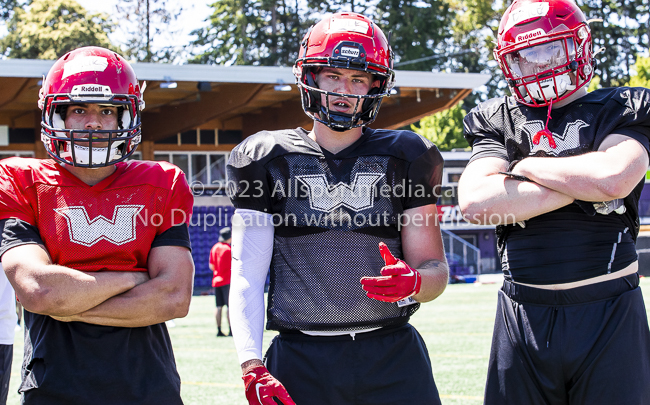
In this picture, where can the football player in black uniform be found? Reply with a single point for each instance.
(560, 171)
(345, 218)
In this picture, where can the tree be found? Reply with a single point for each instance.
(621, 36)
(148, 19)
(227, 36)
(251, 32)
(475, 29)
(50, 28)
(7, 8)
(473, 33)
(444, 128)
(642, 73)
(419, 29)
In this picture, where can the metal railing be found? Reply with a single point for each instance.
(464, 259)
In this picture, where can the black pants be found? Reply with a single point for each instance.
(390, 366)
(584, 346)
(6, 356)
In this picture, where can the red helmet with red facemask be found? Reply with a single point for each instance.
(90, 75)
(344, 41)
(544, 49)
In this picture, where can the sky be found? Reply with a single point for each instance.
(193, 16)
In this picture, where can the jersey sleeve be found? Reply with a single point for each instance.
(640, 134)
(16, 232)
(177, 235)
(248, 183)
(425, 178)
(179, 204)
(481, 135)
(14, 202)
(628, 113)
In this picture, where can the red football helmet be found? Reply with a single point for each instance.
(344, 41)
(544, 49)
(90, 75)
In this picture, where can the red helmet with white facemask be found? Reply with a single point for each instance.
(90, 75)
(544, 49)
(344, 41)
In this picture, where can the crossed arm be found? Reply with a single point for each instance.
(487, 197)
(111, 298)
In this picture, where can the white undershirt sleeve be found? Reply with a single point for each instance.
(252, 249)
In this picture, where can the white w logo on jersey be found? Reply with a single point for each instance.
(569, 140)
(325, 197)
(118, 230)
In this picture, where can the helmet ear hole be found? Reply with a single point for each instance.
(313, 97)
(61, 111)
(123, 118)
(369, 102)
(58, 117)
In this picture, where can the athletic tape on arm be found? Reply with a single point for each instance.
(252, 249)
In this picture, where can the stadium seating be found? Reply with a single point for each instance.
(204, 229)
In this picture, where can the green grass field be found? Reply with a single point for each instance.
(457, 328)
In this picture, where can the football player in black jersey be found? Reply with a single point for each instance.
(560, 171)
(345, 217)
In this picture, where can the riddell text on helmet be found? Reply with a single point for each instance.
(530, 35)
(83, 89)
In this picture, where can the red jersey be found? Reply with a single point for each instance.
(220, 260)
(108, 226)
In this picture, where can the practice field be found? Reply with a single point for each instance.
(457, 328)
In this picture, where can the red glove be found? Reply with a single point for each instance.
(398, 280)
(262, 387)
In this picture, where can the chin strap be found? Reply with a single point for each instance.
(546, 132)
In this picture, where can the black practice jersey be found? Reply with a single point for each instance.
(330, 212)
(567, 244)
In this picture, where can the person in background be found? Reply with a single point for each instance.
(220, 266)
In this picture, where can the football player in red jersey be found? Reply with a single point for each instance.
(560, 171)
(352, 250)
(96, 247)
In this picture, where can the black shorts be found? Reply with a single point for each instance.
(584, 346)
(221, 295)
(390, 366)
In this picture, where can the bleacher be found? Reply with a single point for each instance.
(204, 233)
(464, 259)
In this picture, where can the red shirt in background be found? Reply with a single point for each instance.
(220, 261)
